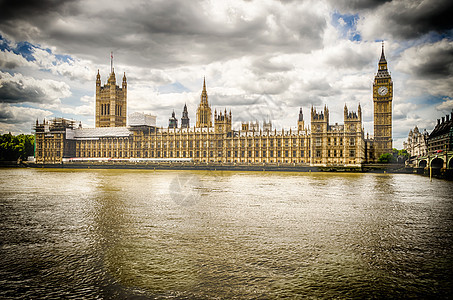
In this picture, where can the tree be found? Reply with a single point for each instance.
(386, 158)
(400, 156)
(14, 147)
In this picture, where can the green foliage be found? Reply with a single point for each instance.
(14, 147)
(386, 158)
(400, 156)
(403, 153)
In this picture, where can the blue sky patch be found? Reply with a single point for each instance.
(23, 48)
(64, 58)
(175, 87)
(347, 25)
(433, 37)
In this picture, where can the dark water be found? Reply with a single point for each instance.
(167, 234)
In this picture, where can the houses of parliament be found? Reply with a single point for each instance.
(212, 139)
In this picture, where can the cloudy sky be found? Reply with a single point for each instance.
(262, 59)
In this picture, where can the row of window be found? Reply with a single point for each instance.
(105, 109)
(48, 154)
(334, 153)
(198, 154)
(382, 80)
(184, 143)
(191, 154)
(318, 141)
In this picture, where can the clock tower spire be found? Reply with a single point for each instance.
(382, 100)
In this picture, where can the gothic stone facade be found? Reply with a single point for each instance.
(382, 100)
(417, 143)
(217, 141)
(111, 102)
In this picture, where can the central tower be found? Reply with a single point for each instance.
(111, 101)
(204, 114)
(382, 100)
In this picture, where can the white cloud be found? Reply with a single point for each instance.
(18, 119)
(447, 105)
(10, 60)
(260, 60)
(18, 88)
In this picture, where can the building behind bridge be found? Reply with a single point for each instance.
(434, 149)
(441, 138)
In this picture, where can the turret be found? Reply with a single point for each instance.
(300, 122)
(320, 121)
(173, 122)
(359, 111)
(222, 121)
(124, 81)
(98, 79)
(112, 78)
(185, 118)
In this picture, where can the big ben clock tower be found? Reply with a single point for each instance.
(382, 99)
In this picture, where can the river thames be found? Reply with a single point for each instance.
(200, 234)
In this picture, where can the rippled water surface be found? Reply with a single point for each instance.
(199, 234)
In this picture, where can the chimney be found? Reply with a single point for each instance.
(443, 120)
(438, 121)
(448, 117)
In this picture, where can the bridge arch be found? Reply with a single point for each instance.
(450, 163)
(437, 163)
(423, 163)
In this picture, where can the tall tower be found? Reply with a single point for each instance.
(382, 100)
(300, 122)
(204, 114)
(111, 101)
(173, 122)
(222, 122)
(185, 118)
(319, 128)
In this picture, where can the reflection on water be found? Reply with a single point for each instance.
(159, 234)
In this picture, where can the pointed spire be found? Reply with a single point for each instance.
(111, 62)
(204, 84)
(382, 54)
(112, 78)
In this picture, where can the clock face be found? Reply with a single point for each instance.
(382, 90)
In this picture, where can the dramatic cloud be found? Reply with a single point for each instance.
(10, 60)
(262, 59)
(407, 19)
(21, 89)
(447, 105)
(17, 120)
(429, 61)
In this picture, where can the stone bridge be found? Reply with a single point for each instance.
(436, 161)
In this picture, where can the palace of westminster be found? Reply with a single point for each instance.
(214, 140)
